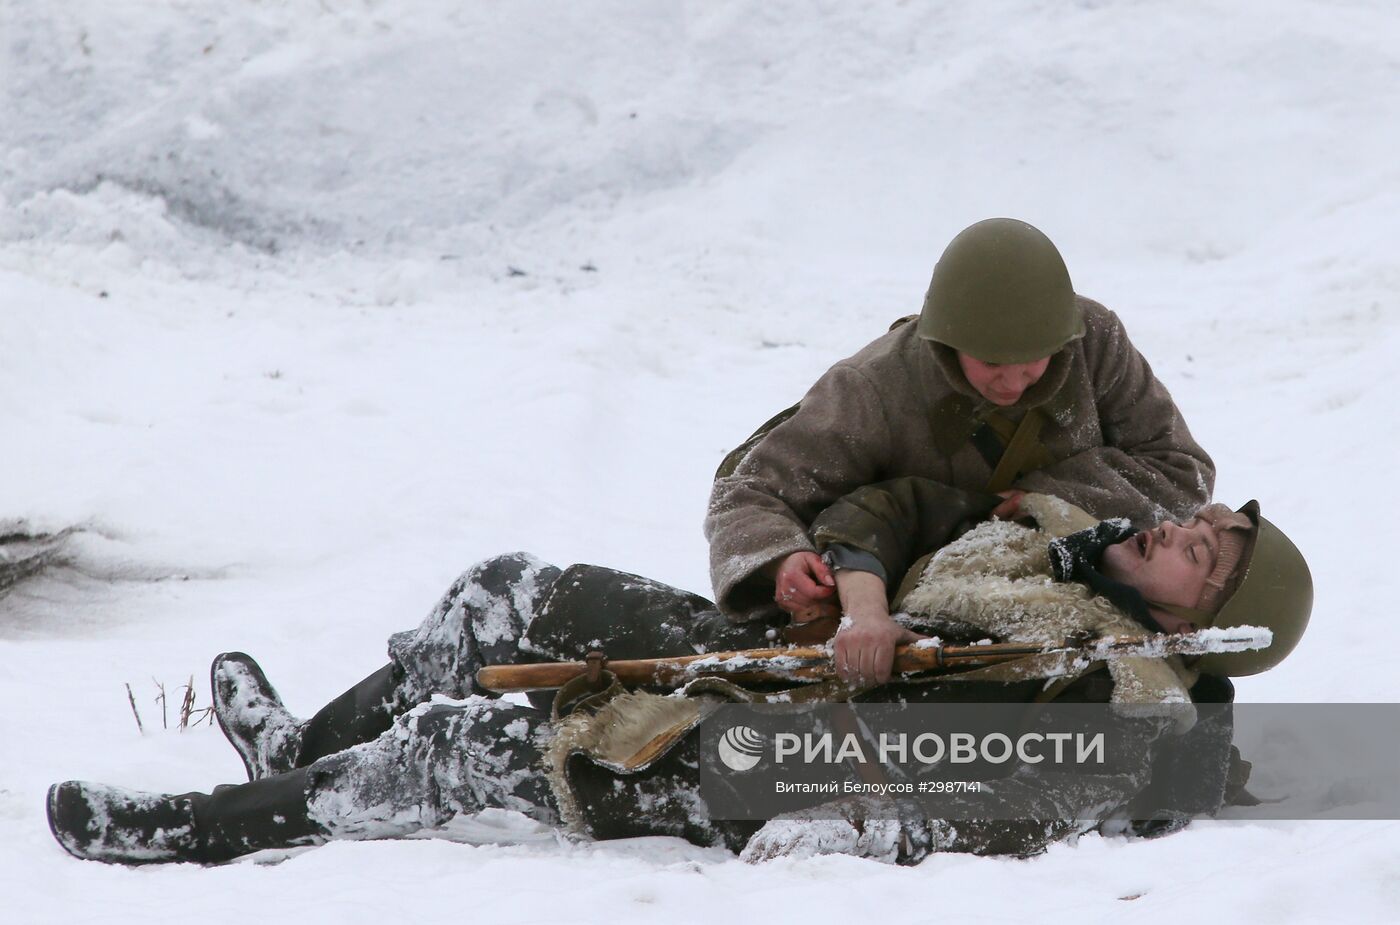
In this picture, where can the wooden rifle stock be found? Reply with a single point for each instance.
(802, 664)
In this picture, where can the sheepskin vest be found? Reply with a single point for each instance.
(997, 578)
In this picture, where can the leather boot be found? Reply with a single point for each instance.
(271, 740)
(251, 714)
(359, 715)
(238, 819)
(98, 822)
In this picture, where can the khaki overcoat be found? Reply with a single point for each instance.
(1116, 445)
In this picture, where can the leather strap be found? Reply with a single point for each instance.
(1023, 447)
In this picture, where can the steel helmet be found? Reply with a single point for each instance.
(1001, 293)
(1275, 591)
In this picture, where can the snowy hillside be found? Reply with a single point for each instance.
(306, 306)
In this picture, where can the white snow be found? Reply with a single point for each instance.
(304, 307)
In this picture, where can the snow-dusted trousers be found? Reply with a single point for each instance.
(514, 609)
(438, 761)
(480, 620)
(454, 750)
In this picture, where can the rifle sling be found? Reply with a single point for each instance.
(1023, 447)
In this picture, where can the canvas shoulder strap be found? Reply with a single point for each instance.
(1024, 452)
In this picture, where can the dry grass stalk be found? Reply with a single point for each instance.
(186, 704)
(161, 699)
(131, 699)
(189, 716)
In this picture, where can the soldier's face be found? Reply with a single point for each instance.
(1001, 383)
(1168, 565)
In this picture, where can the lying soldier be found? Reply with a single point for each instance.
(423, 760)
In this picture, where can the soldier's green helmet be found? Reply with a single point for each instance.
(1001, 293)
(1275, 591)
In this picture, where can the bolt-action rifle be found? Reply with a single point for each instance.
(925, 659)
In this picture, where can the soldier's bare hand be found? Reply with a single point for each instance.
(863, 649)
(1009, 508)
(804, 587)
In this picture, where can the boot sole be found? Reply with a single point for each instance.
(249, 766)
(51, 806)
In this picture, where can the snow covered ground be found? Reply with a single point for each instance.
(306, 306)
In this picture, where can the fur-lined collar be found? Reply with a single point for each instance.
(997, 578)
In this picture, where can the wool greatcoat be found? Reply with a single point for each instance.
(1112, 443)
